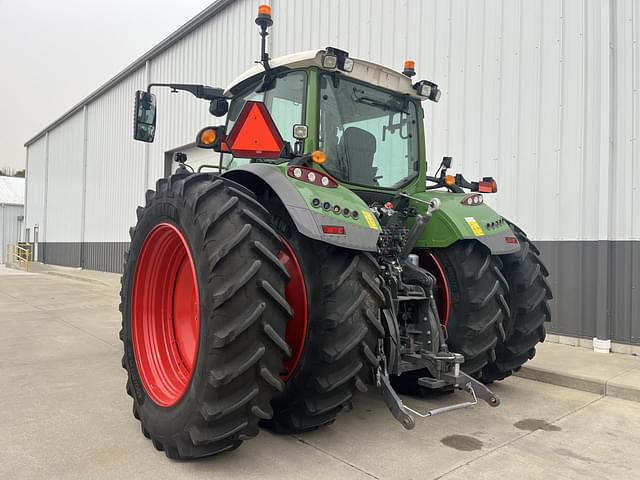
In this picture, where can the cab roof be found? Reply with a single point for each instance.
(363, 70)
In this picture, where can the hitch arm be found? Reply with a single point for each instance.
(393, 401)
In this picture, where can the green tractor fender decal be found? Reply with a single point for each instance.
(456, 221)
(306, 204)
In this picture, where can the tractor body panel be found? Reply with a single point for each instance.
(360, 231)
(455, 221)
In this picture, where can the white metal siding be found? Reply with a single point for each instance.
(115, 164)
(10, 227)
(36, 184)
(625, 207)
(526, 98)
(64, 191)
(214, 54)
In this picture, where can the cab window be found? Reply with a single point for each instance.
(285, 102)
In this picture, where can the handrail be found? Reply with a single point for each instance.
(20, 255)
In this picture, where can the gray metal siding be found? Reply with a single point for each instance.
(574, 275)
(61, 253)
(104, 256)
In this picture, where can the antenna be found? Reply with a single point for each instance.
(264, 21)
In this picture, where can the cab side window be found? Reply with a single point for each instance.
(285, 102)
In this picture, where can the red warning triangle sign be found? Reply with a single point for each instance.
(255, 135)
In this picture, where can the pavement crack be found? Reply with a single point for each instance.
(335, 457)
(518, 438)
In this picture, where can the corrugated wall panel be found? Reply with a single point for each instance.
(64, 194)
(625, 211)
(10, 227)
(36, 185)
(115, 164)
(514, 80)
(214, 54)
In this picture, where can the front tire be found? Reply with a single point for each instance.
(203, 315)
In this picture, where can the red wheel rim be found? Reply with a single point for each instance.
(296, 295)
(165, 315)
(429, 262)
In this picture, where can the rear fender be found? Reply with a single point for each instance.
(455, 221)
(360, 233)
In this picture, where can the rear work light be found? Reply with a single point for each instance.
(312, 176)
(333, 229)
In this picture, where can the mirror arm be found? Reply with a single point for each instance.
(198, 91)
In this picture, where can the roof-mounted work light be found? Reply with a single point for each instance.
(428, 89)
(336, 58)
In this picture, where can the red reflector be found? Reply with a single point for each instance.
(255, 135)
(333, 229)
(485, 187)
(512, 240)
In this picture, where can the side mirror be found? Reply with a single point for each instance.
(144, 122)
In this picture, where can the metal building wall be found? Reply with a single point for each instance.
(115, 175)
(9, 227)
(64, 189)
(542, 94)
(35, 193)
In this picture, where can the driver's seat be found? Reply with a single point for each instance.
(357, 148)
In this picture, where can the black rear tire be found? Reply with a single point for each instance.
(243, 316)
(479, 313)
(528, 297)
(339, 355)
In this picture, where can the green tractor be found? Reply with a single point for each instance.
(317, 261)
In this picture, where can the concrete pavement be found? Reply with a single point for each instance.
(64, 414)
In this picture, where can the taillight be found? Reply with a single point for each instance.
(472, 199)
(310, 175)
(511, 240)
(333, 229)
(488, 185)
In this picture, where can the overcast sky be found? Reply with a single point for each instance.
(55, 52)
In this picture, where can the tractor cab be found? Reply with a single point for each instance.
(366, 118)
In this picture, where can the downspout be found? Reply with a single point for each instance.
(602, 340)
